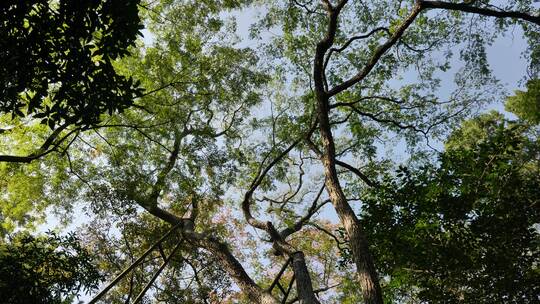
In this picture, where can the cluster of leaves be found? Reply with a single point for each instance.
(57, 59)
(467, 230)
(526, 104)
(45, 269)
(28, 191)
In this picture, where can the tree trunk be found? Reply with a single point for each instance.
(304, 286)
(365, 267)
(367, 274)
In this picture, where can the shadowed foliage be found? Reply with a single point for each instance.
(57, 58)
(45, 269)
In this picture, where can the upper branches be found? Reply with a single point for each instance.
(326, 43)
(463, 7)
(379, 52)
(261, 174)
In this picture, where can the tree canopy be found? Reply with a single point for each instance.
(57, 63)
(273, 146)
(465, 230)
(45, 269)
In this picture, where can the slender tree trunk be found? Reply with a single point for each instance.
(366, 272)
(304, 287)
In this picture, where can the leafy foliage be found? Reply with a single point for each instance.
(526, 104)
(57, 59)
(45, 269)
(465, 231)
(237, 139)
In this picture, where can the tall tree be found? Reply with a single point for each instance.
(244, 147)
(464, 231)
(377, 40)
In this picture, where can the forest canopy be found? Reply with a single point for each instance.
(326, 151)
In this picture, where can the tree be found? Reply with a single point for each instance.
(244, 147)
(45, 269)
(465, 230)
(354, 90)
(58, 64)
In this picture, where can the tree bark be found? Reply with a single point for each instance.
(304, 287)
(366, 272)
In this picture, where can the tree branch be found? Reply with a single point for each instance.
(463, 7)
(47, 147)
(351, 40)
(379, 52)
(376, 118)
(346, 104)
(160, 182)
(246, 203)
(330, 234)
(358, 173)
(311, 211)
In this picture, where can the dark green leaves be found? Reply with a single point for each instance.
(467, 230)
(56, 59)
(45, 269)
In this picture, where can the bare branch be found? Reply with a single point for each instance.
(361, 175)
(463, 7)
